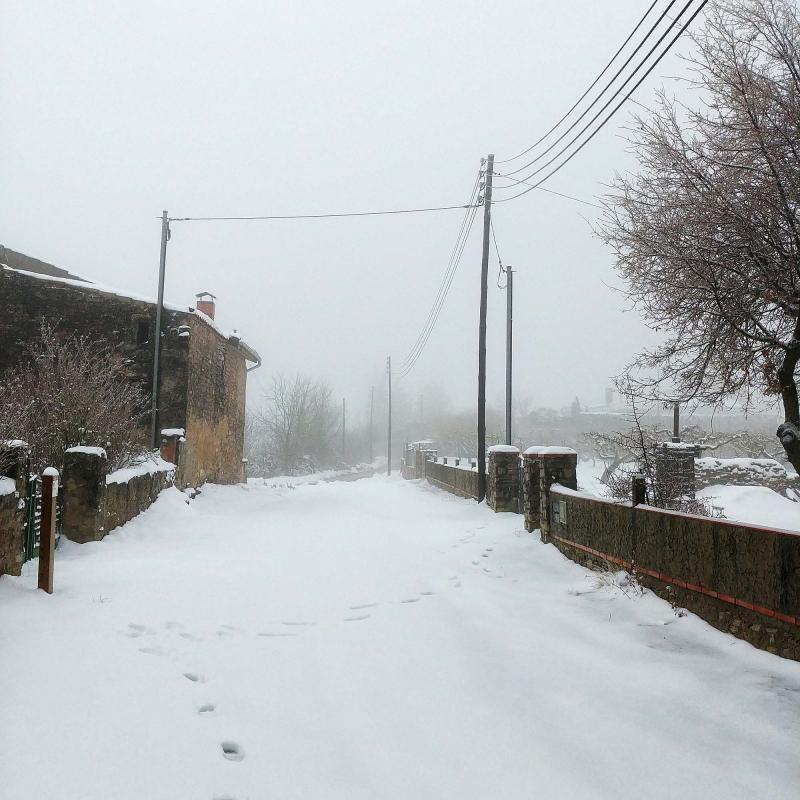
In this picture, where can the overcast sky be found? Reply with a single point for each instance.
(113, 111)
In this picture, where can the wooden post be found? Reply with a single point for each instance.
(47, 531)
(639, 490)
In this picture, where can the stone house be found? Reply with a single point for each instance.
(203, 370)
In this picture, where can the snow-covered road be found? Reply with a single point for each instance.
(375, 639)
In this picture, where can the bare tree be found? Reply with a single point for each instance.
(295, 430)
(70, 390)
(707, 233)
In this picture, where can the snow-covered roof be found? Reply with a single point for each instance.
(86, 285)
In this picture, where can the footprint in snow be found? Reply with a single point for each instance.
(173, 626)
(277, 635)
(365, 605)
(411, 600)
(135, 630)
(194, 677)
(189, 636)
(357, 619)
(232, 751)
(301, 624)
(152, 651)
(206, 708)
(427, 594)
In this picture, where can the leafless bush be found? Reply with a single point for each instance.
(68, 390)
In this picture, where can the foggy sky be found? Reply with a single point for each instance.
(115, 111)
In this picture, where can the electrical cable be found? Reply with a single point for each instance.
(610, 115)
(443, 282)
(610, 83)
(591, 86)
(319, 216)
(411, 366)
(544, 189)
(412, 359)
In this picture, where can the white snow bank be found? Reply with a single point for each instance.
(149, 467)
(90, 451)
(756, 505)
(173, 432)
(539, 450)
(346, 634)
(7, 486)
(503, 448)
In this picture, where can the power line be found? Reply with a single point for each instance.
(320, 216)
(544, 189)
(610, 115)
(591, 86)
(443, 284)
(611, 82)
(413, 363)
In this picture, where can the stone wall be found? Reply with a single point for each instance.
(12, 511)
(215, 409)
(740, 578)
(463, 482)
(129, 324)
(203, 373)
(502, 480)
(95, 504)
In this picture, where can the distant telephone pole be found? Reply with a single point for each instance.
(389, 439)
(509, 345)
(371, 411)
(487, 222)
(344, 435)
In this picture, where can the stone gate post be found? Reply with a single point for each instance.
(84, 480)
(502, 484)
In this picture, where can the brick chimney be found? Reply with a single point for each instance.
(205, 303)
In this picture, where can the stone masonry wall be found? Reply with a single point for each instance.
(463, 482)
(502, 483)
(740, 578)
(95, 504)
(12, 514)
(215, 409)
(128, 324)
(126, 499)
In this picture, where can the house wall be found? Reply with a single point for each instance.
(203, 374)
(217, 377)
(26, 302)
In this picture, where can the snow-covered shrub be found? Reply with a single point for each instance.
(73, 389)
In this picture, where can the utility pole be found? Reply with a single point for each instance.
(487, 221)
(389, 439)
(344, 435)
(509, 345)
(676, 422)
(371, 410)
(157, 344)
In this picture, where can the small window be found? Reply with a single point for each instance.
(142, 333)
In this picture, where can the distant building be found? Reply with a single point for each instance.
(203, 373)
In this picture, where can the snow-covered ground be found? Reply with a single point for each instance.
(374, 639)
(757, 505)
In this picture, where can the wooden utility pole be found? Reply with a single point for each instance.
(487, 222)
(676, 422)
(371, 411)
(47, 529)
(154, 439)
(509, 345)
(389, 439)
